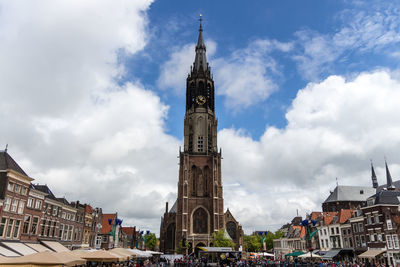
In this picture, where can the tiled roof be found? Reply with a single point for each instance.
(299, 231)
(328, 217)
(350, 193)
(7, 162)
(174, 208)
(382, 187)
(315, 215)
(88, 208)
(128, 230)
(391, 197)
(106, 227)
(344, 215)
(62, 200)
(302, 232)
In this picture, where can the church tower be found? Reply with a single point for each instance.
(200, 204)
(199, 209)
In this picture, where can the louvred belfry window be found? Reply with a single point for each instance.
(200, 144)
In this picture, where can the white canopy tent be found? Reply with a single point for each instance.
(309, 255)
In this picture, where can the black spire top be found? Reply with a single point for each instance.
(373, 176)
(200, 61)
(389, 180)
(200, 19)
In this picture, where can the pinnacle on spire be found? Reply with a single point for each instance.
(373, 177)
(200, 61)
(389, 180)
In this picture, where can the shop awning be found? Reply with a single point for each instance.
(372, 253)
(21, 248)
(216, 249)
(331, 254)
(37, 247)
(44, 259)
(55, 246)
(295, 254)
(7, 252)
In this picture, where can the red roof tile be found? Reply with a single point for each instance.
(106, 227)
(328, 217)
(128, 230)
(89, 209)
(302, 230)
(344, 215)
(315, 215)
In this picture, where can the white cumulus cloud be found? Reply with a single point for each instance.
(334, 127)
(245, 77)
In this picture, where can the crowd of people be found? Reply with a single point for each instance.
(265, 262)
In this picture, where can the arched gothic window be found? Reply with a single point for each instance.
(231, 229)
(200, 221)
(170, 241)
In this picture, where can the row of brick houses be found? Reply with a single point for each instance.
(31, 213)
(356, 224)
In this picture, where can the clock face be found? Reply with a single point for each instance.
(200, 100)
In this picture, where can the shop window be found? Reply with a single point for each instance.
(16, 228)
(61, 231)
(2, 226)
(35, 223)
(10, 227)
(43, 227)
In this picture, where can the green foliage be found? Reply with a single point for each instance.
(269, 242)
(254, 243)
(181, 249)
(219, 239)
(150, 241)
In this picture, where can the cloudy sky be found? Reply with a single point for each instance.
(92, 99)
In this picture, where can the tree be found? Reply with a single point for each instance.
(181, 248)
(219, 239)
(150, 241)
(269, 242)
(252, 243)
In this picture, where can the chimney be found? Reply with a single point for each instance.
(166, 207)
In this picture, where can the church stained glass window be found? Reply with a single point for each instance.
(231, 229)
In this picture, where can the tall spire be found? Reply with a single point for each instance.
(389, 181)
(200, 61)
(373, 176)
